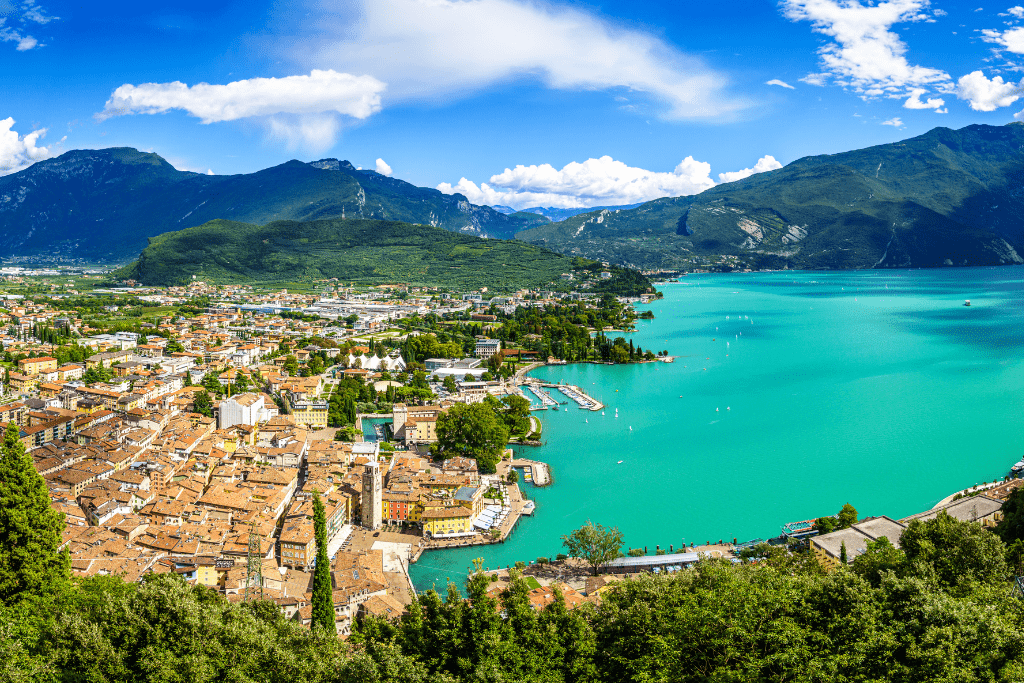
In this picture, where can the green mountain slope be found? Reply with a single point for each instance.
(105, 203)
(944, 198)
(352, 250)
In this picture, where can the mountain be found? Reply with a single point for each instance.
(103, 204)
(352, 250)
(948, 197)
(555, 213)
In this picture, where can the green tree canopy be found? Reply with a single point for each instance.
(595, 544)
(203, 404)
(30, 530)
(958, 552)
(474, 431)
(1011, 527)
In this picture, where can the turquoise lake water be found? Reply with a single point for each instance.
(878, 388)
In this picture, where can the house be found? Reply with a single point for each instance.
(37, 366)
(829, 547)
(444, 521)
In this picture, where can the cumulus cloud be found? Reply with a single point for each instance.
(781, 84)
(1011, 40)
(15, 22)
(301, 110)
(446, 48)
(1017, 11)
(383, 168)
(895, 122)
(915, 102)
(987, 95)
(765, 163)
(20, 151)
(595, 182)
(864, 54)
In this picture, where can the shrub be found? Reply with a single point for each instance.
(542, 560)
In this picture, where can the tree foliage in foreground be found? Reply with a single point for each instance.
(594, 544)
(941, 610)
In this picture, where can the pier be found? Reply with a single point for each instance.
(538, 470)
(545, 397)
(580, 397)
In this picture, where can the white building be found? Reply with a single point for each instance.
(244, 409)
(485, 348)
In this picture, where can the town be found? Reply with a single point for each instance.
(186, 430)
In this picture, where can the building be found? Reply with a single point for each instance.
(444, 521)
(829, 547)
(370, 498)
(485, 348)
(37, 366)
(244, 409)
(298, 545)
(982, 509)
(310, 414)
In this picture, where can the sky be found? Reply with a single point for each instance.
(512, 102)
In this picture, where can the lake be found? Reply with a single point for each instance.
(792, 393)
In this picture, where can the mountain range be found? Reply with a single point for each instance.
(104, 204)
(948, 197)
(555, 213)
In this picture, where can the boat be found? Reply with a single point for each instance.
(528, 507)
(1017, 469)
(619, 462)
(967, 303)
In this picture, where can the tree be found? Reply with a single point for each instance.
(291, 365)
(880, 557)
(843, 560)
(959, 552)
(595, 544)
(202, 404)
(847, 516)
(473, 431)
(1011, 527)
(322, 600)
(513, 476)
(825, 525)
(241, 383)
(211, 382)
(449, 384)
(30, 530)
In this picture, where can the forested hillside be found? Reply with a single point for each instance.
(948, 197)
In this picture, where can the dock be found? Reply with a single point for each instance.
(540, 475)
(580, 397)
(545, 397)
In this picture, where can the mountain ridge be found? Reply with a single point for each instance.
(105, 203)
(947, 197)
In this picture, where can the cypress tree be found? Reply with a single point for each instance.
(30, 530)
(322, 601)
(842, 554)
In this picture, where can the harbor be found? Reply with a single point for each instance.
(574, 393)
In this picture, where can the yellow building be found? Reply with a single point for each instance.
(446, 520)
(312, 414)
(37, 366)
(23, 383)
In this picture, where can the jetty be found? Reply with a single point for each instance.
(580, 397)
(545, 397)
(539, 472)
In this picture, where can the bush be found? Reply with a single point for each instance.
(520, 565)
(543, 560)
(660, 552)
(636, 552)
(561, 556)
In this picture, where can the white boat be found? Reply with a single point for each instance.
(967, 303)
(619, 462)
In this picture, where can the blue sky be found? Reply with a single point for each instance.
(512, 102)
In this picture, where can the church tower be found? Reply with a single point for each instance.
(370, 498)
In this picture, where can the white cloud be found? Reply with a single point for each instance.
(1017, 11)
(895, 122)
(915, 102)
(865, 55)
(595, 182)
(301, 110)
(20, 16)
(819, 80)
(781, 84)
(20, 151)
(765, 163)
(442, 49)
(383, 168)
(985, 94)
(1012, 40)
